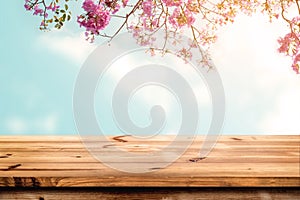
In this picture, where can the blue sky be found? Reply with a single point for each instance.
(36, 82)
(38, 71)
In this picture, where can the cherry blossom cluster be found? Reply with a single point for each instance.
(97, 15)
(290, 43)
(143, 18)
(177, 15)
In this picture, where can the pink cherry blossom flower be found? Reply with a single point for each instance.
(295, 67)
(52, 7)
(27, 7)
(289, 44)
(124, 2)
(95, 23)
(190, 18)
(37, 10)
(185, 54)
(89, 5)
(96, 18)
(171, 3)
(113, 5)
(147, 7)
(296, 62)
(179, 19)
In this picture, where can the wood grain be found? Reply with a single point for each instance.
(155, 193)
(63, 161)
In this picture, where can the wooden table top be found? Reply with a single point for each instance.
(63, 161)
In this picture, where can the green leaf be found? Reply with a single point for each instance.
(64, 17)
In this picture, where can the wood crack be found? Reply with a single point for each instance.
(235, 138)
(196, 159)
(6, 156)
(119, 138)
(12, 167)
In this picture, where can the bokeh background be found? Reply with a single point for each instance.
(38, 71)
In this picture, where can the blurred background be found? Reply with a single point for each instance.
(38, 71)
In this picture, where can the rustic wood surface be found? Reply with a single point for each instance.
(150, 193)
(62, 161)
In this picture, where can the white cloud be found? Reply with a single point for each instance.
(262, 90)
(21, 125)
(285, 118)
(47, 124)
(72, 46)
(16, 125)
(50, 123)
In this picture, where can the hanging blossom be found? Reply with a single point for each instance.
(97, 15)
(290, 44)
(181, 18)
(143, 18)
(95, 19)
(147, 7)
(38, 11)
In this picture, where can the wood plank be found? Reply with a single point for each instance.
(235, 161)
(151, 193)
(138, 181)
